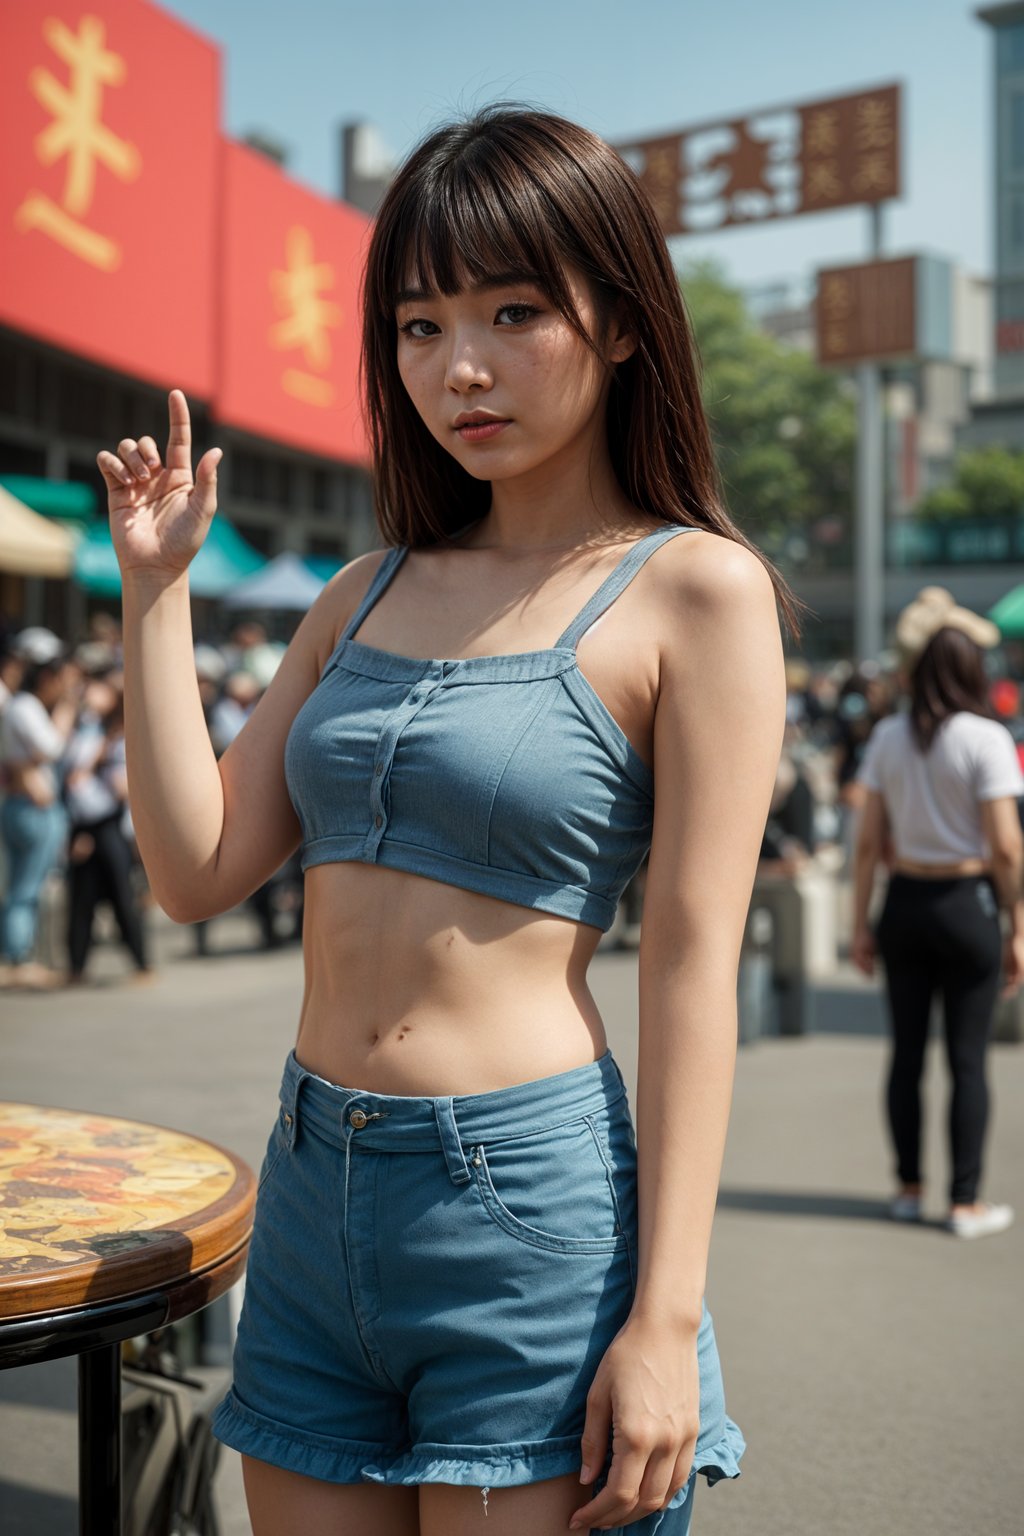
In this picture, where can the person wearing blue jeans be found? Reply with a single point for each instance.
(34, 728)
(33, 837)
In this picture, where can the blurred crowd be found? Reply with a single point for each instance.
(67, 845)
(65, 820)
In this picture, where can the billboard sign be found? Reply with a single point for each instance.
(288, 348)
(773, 164)
(883, 310)
(108, 187)
(867, 312)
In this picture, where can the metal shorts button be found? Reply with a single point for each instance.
(377, 820)
(357, 1118)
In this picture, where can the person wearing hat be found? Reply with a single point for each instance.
(942, 779)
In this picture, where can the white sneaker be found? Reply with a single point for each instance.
(905, 1208)
(991, 1218)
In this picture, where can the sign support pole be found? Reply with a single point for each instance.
(869, 528)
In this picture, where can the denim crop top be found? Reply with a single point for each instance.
(505, 775)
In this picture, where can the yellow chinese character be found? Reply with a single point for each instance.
(821, 182)
(836, 295)
(661, 180)
(836, 342)
(822, 137)
(873, 173)
(309, 317)
(873, 125)
(78, 132)
(662, 165)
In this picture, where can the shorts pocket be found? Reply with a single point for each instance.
(551, 1188)
(276, 1145)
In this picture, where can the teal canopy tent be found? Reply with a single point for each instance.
(225, 559)
(53, 498)
(324, 566)
(1008, 613)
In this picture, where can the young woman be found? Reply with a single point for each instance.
(475, 1287)
(943, 782)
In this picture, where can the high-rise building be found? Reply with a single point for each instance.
(1003, 419)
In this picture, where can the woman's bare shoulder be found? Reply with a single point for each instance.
(702, 572)
(346, 588)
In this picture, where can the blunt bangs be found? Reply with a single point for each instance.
(476, 220)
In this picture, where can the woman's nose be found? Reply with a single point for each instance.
(467, 367)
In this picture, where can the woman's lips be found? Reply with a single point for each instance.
(479, 431)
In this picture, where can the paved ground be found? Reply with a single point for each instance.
(875, 1370)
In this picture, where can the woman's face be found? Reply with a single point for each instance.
(503, 351)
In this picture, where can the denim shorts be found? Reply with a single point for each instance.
(432, 1283)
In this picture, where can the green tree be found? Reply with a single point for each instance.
(987, 482)
(785, 429)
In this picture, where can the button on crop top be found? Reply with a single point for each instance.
(505, 775)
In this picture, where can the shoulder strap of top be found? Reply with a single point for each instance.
(620, 577)
(381, 576)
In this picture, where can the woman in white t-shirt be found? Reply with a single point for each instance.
(943, 780)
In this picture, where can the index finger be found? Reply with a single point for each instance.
(614, 1503)
(179, 438)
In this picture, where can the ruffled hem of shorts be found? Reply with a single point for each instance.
(490, 1466)
(723, 1458)
(299, 1450)
(482, 1466)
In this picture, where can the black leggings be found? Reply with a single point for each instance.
(941, 933)
(106, 874)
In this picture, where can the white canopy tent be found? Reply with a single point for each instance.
(286, 582)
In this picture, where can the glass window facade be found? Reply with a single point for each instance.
(1010, 49)
(1015, 147)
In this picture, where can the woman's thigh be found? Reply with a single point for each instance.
(542, 1509)
(281, 1501)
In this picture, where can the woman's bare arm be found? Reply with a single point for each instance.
(718, 737)
(718, 733)
(174, 783)
(208, 832)
(869, 851)
(211, 831)
(1000, 825)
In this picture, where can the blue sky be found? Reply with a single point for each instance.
(300, 69)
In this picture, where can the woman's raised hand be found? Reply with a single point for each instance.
(159, 515)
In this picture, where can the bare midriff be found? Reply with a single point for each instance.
(416, 987)
(941, 871)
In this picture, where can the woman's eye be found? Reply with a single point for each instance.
(407, 328)
(519, 313)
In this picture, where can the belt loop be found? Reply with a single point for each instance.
(291, 1085)
(451, 1144)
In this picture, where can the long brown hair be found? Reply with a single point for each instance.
(948, 676)
(513, 189)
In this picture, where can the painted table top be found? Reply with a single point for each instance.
(93, 1206)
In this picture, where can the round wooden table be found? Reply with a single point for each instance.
(109, 1229)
